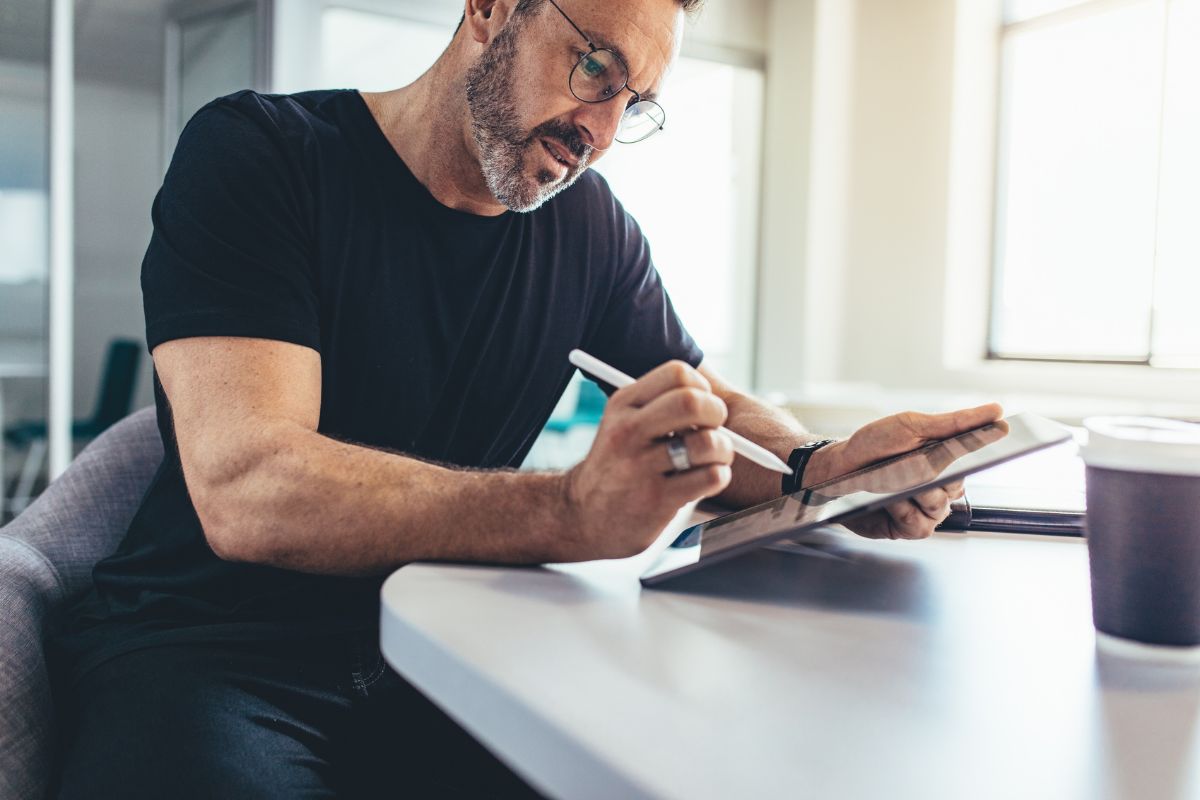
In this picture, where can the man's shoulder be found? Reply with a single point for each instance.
(591, 220)
(250, 130)
(591, 186)
(590, 198)
(299, 113)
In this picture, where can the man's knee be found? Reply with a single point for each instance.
(180, 722)
(148, 768)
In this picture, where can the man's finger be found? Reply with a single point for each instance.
(909, 521)
(874, 525)
(706, 481)
(706, 446)
(933, 503)
(678, 410)
(943, 426)
(955, 490)
(661, 379)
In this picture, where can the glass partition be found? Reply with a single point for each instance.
(24, 232)
(118, 86)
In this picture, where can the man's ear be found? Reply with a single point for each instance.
(484, 19)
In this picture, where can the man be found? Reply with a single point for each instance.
(359, 309)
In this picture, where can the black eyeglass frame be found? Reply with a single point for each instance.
(637, 97)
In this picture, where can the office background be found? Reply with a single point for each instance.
(857, 206)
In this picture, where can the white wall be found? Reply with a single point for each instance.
(730, 26)
(853, 240)
(894, 228)
(804, 157)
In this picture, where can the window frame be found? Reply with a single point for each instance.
(1003, 88)
(962, 364)
(738, 363)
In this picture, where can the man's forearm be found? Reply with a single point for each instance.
(777, 431)
(315, 504)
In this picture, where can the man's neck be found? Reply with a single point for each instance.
(428, 125)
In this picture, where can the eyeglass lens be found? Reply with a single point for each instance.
(641, 121)
(599, 76)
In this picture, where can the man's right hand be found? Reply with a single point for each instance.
(626, 490)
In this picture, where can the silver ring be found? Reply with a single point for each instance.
(677, 450)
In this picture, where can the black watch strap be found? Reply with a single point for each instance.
(798, 460)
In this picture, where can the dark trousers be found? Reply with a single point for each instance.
(265, 720)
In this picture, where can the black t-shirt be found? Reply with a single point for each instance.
(441, 334)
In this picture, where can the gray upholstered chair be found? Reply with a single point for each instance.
(46, 559)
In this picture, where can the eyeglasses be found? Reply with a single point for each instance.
(599, 76)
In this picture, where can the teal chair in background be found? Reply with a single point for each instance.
(567, 435)
(588, 409)
(118, 380)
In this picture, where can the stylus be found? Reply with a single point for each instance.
(741, 445)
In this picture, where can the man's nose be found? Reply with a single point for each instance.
(598, 123)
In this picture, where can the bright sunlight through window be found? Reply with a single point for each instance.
(1098, 186)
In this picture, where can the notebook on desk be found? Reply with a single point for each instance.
(1042, 493)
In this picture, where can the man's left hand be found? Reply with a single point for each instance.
(917, 517)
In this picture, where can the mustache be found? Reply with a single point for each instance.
(567, 135)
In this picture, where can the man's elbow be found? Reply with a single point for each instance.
(229, 533)
(222, 489)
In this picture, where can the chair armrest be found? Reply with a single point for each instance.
(28, 590)
(84, 514)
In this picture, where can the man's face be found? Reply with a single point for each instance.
(534, 137)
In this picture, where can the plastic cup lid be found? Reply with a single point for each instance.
(1143, 444)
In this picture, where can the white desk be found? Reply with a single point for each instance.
(18, 359)
(962, 666)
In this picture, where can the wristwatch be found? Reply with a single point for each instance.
(798, 460)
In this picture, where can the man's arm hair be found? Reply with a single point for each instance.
(269, 489)
(769, 427)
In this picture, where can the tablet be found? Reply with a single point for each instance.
(868, 489)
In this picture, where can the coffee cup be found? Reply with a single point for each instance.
(1143, 534)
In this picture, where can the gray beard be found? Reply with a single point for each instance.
(501, 142)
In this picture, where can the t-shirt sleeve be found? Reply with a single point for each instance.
(639, 329)
(231, 252)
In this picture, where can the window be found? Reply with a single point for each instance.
(1097, 248)
(24, 219)
(694, 190)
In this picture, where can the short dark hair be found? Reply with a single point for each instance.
(529, 6)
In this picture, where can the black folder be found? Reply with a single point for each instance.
(1041, 493)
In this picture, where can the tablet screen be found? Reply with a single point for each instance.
(859, 492)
